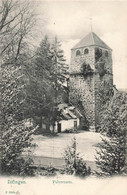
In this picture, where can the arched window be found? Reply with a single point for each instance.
(78, 52)
(86, 51)
(106, 53)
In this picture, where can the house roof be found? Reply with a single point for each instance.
(62, 106)
(68, 112)
(90, 40)
(65, 115)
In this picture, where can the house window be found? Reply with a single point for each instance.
(78, 52)
(86, 51)
(106, 53)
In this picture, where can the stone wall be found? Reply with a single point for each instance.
(102, 83)
(77, 61)
(86, 89)
(101, 87)
(81, 91)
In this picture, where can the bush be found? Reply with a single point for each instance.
(110, 158)
(86, 69)
(81, 169)
(69, 131)
(75, 164)
(16, 140)
(48, 171)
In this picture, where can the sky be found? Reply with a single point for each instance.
(70, 22)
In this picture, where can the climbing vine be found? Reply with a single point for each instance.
(98, 54)
(86, 69)
(100, 67)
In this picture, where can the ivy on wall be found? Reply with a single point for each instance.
(100, 62)
(86, 69)
(105, 92)
(100, 67)
(98, 54)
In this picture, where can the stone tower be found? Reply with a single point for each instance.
(90, 75)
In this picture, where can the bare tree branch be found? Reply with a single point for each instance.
(16, 22)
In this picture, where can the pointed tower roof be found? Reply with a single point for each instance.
(89, 40)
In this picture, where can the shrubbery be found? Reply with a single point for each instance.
(16, 140)
(74, 163)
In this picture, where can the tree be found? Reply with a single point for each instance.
(16, 21)
(39, 85)
(74, 163)
(58, 71)
(111, 158)
(59, 67)
(15, 26)
(48, 77)
(39, 88)
(114, 115)
(15, 141)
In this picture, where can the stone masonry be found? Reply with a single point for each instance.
(85, 89)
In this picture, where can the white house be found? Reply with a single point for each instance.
(69, 118)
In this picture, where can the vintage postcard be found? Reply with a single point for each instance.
(63, 97)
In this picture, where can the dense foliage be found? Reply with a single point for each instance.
(98, 54)
(114, 115)
(29, 85)
(16, 21)
(15, 141)
(100, 67)
(86, 69)
(106, 94)
(46, 78)
(111, 158)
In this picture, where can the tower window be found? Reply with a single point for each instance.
(106, 53)
(86, 51)
(78, 52)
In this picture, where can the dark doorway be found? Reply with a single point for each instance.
(75, 125)
(59, 127)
